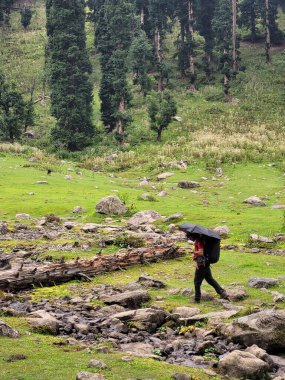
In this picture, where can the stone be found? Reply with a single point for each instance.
(90, 227)
(162, 194)
(261, 282)
(254, 201)
(83, 375)
(261, 354)
(78, 209)
(147, 197)
(164, 176)
(6, 330)
(111, 205)
(143, 217)
(278, 297)
(22, 216)
(177, 118)
(261, 239)
(68, 177)
(219, 172)
(238, 293)
(43, 321)
(264, 328)
(186, 312)
(214, 315)
(41, 183)
(150, 282)
(241, 364)
(3, 228)
(174, 217)
(69, 225)
(144, 182)
(181, 376)
(188, 184)
(147, 319)
(144, 350)
(278, 207)
(131, 300)
(223, 231)
(94, 363)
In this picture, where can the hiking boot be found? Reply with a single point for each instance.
(224, 295)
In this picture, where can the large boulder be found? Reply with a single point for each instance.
(131, 300)
(44, 322)
(143, 217)
(265, 329)
(6, 330)
(243, 365)
(111, 205)
(262, 282)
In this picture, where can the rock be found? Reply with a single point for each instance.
(6, 330)
(131, 300)
(147, 197)
(33, 159)
(215, 315)
(261, 239)
(237, 293)
(260, 282)
(144, 350)
(97, 364)
(83, 375)
(144, 182)
(164, 176)
(78, 209)
(5, 262)
(223, 231)
(3, 228)
(143, 217)
(240, 364)
(150, 282)
(279, 207)
(181, 376)
(111, 205)
(22, 216)
(162, 194)
(69, 225)
(90, 227)
(177, 118)
(41, 183)
(68, 177)
(278, 297)
(174, 217)
(265, 328)
(188, 184)
(261, 354)
(44, 322)
(186, 312)
(219, 172)
(14, 358)
(279, 237)
(111, 310)
(254, 201)
(143, 319)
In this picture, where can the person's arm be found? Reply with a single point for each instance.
(199, 250)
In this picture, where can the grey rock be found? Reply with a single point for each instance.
(22, 216)
(68, 177)
(78, 209)
(181, 376)
(237, 293)
(223, 231)
(90, 227)
(162, 194)
(215, 315)
(188, 184)
(143, 217)
(94, 363)
(174, 217)
(144, 350)
(278, 207)
(6, 330)
(260, 282)
(111, 205)
(41, 183)
(278, 297)
(254, 201)
(43, 321)
(261, 239)
(83, 375)
(240, 364)
(131, 300)
(150, 282)
(3, 228)
(164, 176)
(186, 312)
(261, 354)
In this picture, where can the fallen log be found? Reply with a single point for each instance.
(56, 273)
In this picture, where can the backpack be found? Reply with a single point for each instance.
(212, 250)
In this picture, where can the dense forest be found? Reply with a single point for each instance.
(144, 50)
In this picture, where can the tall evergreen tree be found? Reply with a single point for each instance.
(26, 17)
(5, 9)
(69, 69)
(114, 33)
(250, 11)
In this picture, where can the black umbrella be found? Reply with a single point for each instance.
(195, 229)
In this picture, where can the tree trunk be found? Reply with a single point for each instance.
(234, 35)
(191, 42)
(159, 57)
(267, 42)
(142, 17)
(159, 132)
(119, 124)
(226, 77)
(26, 277)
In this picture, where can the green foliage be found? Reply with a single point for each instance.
(68, 73)
(26, 17)
(125, 241)
(161, 108)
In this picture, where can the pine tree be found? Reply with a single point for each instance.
(250, 11)
(5, 9)
(26, 17)
(114, 34)
(69, 69)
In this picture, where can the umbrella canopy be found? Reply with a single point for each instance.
(195, 229)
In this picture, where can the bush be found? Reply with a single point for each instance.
(126, 241)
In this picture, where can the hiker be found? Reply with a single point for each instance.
(203, 269)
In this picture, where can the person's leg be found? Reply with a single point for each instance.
(198, 279)
(211, 281)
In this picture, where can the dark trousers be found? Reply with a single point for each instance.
(202, 273)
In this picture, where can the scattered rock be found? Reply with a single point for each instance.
(68, 177)
(238, 293)
(261, 239)
(177, 118)
(3, 228)
(89, 376)
(261, 354)
(111, 205)
(162, 194)
(186, 312)
(90, 227)
(94, 363)
(143, 217)
(6, 330)
(278, 297)
(22, 216)
(279, 207)
(223, 231)
(147, 197)
(43, 322)
(144, 350)
(254, 201)
(164, 176)
(188, 184)
(260, 282)
(41, 183)
(174, 217)
(16, 357)
(150, 282)
(241, 364)
(78, 210)
(69, 225)
(219, 172)
(131, 300)
(181, 376)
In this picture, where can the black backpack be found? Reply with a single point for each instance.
(212, 250)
